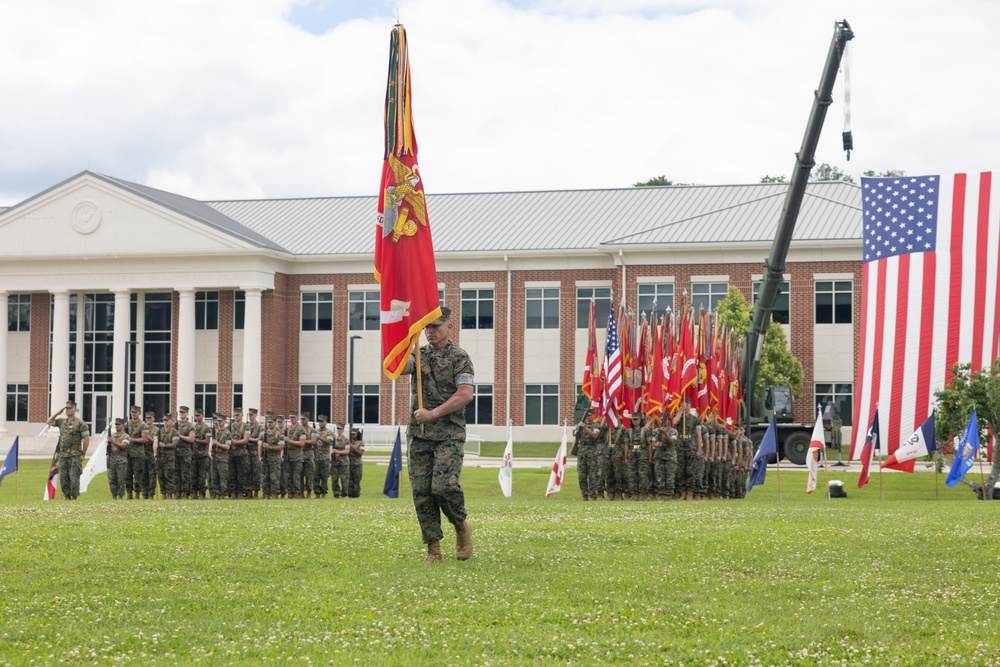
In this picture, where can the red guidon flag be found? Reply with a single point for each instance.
(404, 253)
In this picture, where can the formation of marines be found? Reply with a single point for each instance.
(232, 458)
(676, 456)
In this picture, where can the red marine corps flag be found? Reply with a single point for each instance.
(404, 253)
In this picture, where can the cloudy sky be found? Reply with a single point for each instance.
(219, 99)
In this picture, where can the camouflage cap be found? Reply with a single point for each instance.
(169, 415)
(198, 412)
(150, 414)
(183, 408)
(218, 415)
(70, 404)
(252, 411)
(269, 413)
(304, 414)
(321, 418)
(119, 421)
(135, 408)
(279, 418)
(445, 316)
(237, 411)
(292, 413)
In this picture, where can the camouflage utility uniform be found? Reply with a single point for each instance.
(341, 481)
(324, 438)
(273, 445)
(138, 432)
(638, 438)
(118, 463)
(200, 460)
(166, 450)
(590, 459)
(220, 458)
(664, 460)
(72, 431)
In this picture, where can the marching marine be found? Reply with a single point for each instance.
(324, 440)
(118, 464)
(341, 481)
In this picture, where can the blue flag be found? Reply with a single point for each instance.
(966, 452)
(391, 487)
(768, 446)
(10, 463)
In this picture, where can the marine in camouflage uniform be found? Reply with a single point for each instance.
(286, 463)
(592, 436)
(614, 462)
(295, 441)
(324, 438)
(239, 461)
(152, 465)
(745, 458)
(256, 430)
(355, 463)
(118, 461)
(167, 442)
(138, 433)
(436, 438)
(714, 436)
(308, 454)
(273, 445)
(639, 468)
(690, 461)
(200, 459)
(185, 429)
(664, 459)
(341, 481)
(222, 441)
(74, 438)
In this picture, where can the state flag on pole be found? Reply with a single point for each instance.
(10, 462)
(965, 454)
(391, 486)
(558, 468)
(921, 443)
(817, 445)
(97, 464)
(868, 451)
(768, 446)
(53, 479)
(507, 466)
(929, 296)
(404, 252)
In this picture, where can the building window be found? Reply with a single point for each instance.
(441, 296)
(239, 309)
(836, 397)
(708, 295)
(157, 310)
(238, 395)
(206, 398)
(541, 404)
(364, 409)
(541, 308)
(363, 310)
(780, 312)
(19, 312)
(833, 301)
(206, 311)
(17, 403)
(315, 399)
(317, 311)
(480, 410)
(477, 309)
(602, 297)
(655, 299)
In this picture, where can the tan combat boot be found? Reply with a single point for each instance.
(463, 541)
(434, 553)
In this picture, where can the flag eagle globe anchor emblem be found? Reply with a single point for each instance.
(400, 200)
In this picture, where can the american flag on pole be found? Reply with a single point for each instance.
(929, 294)
(611, 372)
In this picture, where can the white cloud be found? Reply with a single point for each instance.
(228, 99)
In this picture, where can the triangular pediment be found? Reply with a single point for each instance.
(91, 215)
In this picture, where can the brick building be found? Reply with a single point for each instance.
(259, 302)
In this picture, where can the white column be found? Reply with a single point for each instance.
(60, 351)
(252, 349)
(3, 365)
(185, 350)
(119, 375)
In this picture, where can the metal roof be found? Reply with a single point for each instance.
(562, 219)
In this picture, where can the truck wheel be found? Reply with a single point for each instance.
(796, 447)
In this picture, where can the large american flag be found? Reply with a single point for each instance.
(929, 295)
(611, 373)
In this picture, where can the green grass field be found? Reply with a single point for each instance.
(802, 580)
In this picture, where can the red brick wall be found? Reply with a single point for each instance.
(38, 377)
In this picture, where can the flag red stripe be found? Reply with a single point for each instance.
(983, 221)
(927, 297)
(861, 352)
(955, 283)
(899, 349)
(879, 337)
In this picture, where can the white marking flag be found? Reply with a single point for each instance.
(507, 467)
(558, 468)
(929, 296)
(816, 447)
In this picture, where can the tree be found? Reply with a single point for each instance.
(827, 172)
(655, 181)
(778, 366)
(888, 173)
(967, 390)
(774, 179)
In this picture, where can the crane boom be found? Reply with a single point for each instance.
(774, 265)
